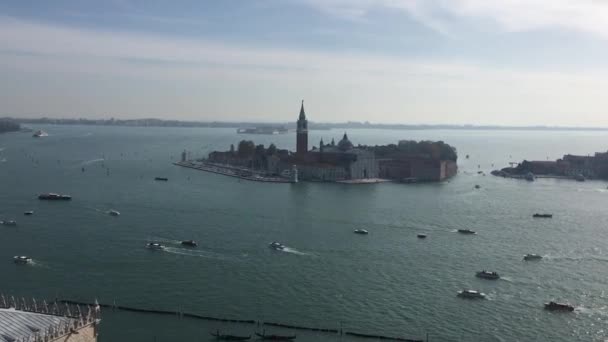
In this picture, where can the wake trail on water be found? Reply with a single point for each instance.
(294, 251)
(92, 161)
(195, 253)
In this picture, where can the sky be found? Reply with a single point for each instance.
(484, 62)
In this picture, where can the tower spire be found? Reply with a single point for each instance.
(302, 114)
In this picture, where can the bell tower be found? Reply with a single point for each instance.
(302, 133)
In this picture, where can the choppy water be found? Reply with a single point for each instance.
(388, 282)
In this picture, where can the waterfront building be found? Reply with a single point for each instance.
(32, 321)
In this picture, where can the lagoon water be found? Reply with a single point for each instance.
(388, 282)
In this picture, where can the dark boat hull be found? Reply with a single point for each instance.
(163, 179)
(230, 337)
(276, 337)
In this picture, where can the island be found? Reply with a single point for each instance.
(342, 161)
(9, 126)
(569, 167)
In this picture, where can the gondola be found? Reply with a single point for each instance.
(263, 336)
(219, 336)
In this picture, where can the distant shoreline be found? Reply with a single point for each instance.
(290, 125)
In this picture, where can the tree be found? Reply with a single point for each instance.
(272, 149)
(246, 149)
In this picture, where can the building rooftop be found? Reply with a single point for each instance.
(16, 325)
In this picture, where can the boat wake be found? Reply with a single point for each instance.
(293, 251)
(164, 240)
(3, 160)
(195, 253)
(92, 161)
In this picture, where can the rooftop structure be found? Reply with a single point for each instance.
(23, 321)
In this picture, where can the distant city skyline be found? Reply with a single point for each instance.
(482, 62)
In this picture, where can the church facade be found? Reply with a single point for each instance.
(329, 162)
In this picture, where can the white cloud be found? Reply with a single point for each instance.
(588, 16)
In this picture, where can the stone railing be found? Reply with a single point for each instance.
(75, 316)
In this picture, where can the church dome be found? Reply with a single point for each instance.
(345, 144)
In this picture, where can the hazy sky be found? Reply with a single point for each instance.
(510, 62)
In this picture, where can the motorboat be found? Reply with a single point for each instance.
(537, 215)
(39, 134)
(471, 294)
(466, 231)
(421, 236)
(8, 223)
(162, 179)
(487, 275)
(530, 257)
(29, 213)
(154, 245)
(553, 306)
(54, 197)
(219, 336)
(276, 246)
(263, 336)
(361, 231)
(189, 243)
(22, 259)
(113, 212)
(477, 186)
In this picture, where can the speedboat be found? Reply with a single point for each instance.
(361, 231)
(22, 259)
(189, 243)
(155, 245)
(8, 223)
(466, 231)
(537, 215)
(40, 133)
(29, 213)
(113, 212)
(530, 257)
(421, 236)
(487, 275)
(553, 306)
(471, 294)
(276, 246)
(53, 196)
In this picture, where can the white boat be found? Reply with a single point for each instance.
(487, 275)
(155, 245)
(22, 259)
(8, 223)
(361, 231)
(529, 257)
(113, 212)
(40, 133)
(276, 246)
(471, 294)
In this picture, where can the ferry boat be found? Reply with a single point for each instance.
(8, 223)
(113, 212)
(553, 306)
(466, 231)
(22, 259)
(276, 246)
(531, 257)
(361, 231)
(189, 243)
(487, 275)
(537, 215)
(39, 134)
(29, 213)
(155, 245)
(471, 294)
(52, 196)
